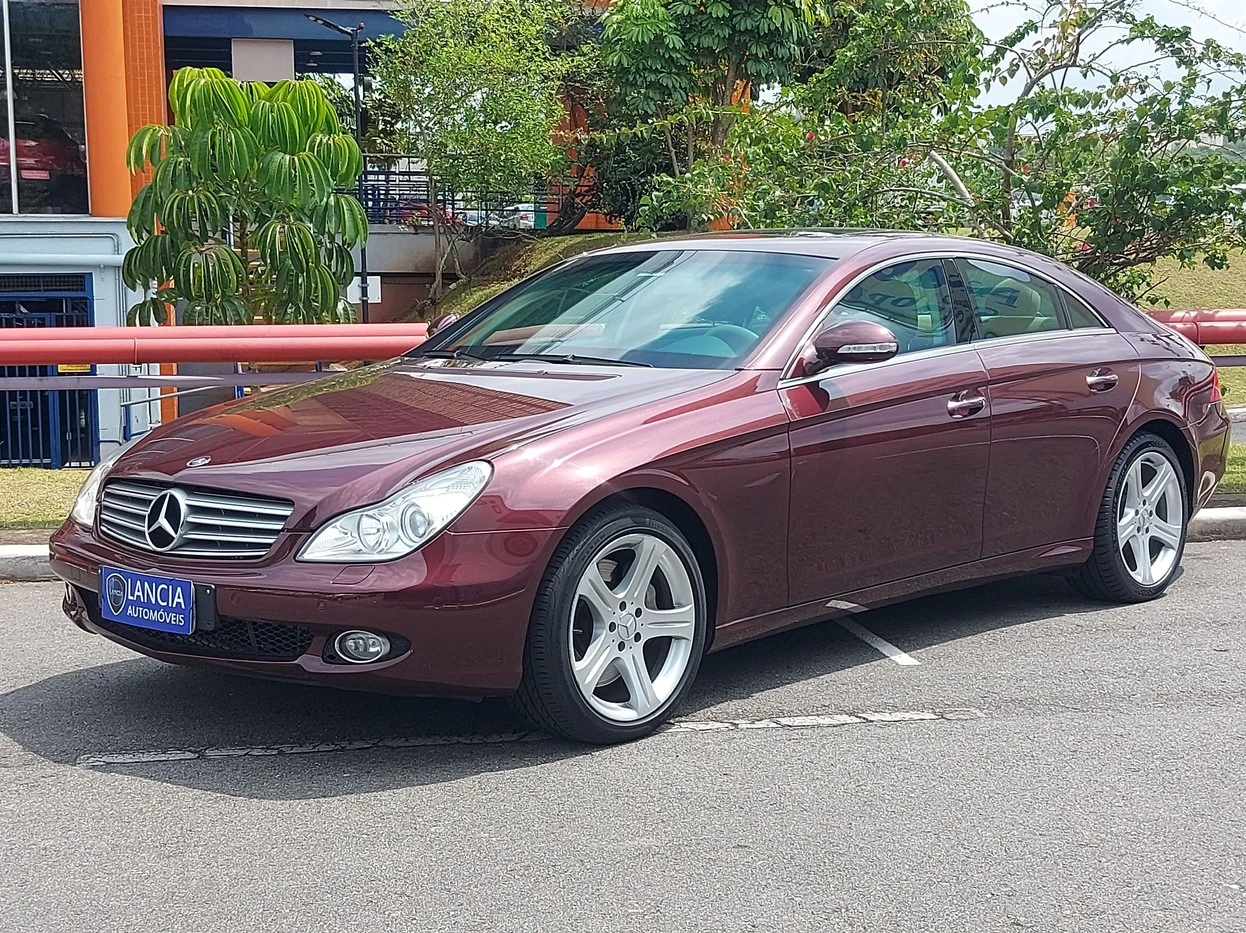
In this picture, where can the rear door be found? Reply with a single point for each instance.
(1060, 382)
(889, 460)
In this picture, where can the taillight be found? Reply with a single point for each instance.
(1216, 394)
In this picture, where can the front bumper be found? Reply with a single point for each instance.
(461, 605)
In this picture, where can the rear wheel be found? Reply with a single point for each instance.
(1141, 528)
(617, 631)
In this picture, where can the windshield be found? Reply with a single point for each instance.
(699, 309)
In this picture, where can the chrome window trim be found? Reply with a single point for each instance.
(788, 380)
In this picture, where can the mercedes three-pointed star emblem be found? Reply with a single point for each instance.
(165, 517)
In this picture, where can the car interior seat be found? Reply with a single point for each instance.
(1015, 309)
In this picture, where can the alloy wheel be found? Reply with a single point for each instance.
(633, 622)
(1150, 518)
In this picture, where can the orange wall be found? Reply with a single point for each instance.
(104, 100)
(144, 68)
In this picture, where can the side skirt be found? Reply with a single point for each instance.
(1019, 563)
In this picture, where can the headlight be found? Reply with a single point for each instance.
(405, 521)
(83, 511)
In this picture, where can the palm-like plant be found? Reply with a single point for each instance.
(245, 214)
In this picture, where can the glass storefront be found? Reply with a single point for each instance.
(43, 151)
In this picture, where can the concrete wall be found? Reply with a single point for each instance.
(404, 251)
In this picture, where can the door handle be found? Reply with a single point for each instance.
(1100, 380)
(964, 405)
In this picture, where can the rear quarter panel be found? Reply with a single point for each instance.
(1175, 388)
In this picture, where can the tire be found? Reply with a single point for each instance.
(590, 651)
(1124, 532)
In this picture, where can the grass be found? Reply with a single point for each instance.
(1235, 474)
(1201, 287)
(31, 498)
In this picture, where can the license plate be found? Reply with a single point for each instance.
(144, 600)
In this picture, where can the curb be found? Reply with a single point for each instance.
(1237, 413)
(28, 563)
(1221, 524)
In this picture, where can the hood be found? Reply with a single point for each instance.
(352, 438)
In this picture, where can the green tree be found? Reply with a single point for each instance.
(687, 74)
(1106, 168)
(684, 66)
(244, 215)
(475, 86)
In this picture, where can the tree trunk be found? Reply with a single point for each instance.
(434, 212)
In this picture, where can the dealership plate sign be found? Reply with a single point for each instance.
(165, 604)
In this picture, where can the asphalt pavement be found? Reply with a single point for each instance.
(1047, 764)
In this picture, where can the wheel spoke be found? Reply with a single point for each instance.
(641, 694)
(1166, 532)
(1126, 526)
(669, 623)
(1142, 554)
(1160, 482)
(597, 660)
(594, 590)
(1133, 485)
(639, 575)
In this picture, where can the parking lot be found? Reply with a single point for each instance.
(1047, 764)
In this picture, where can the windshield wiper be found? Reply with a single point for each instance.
(571, 358)
(457, 353)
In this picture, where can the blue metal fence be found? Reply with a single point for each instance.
(40, 427)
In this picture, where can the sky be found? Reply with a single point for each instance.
(996, 18)
(1223, 20)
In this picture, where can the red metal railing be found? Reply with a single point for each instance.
(267, 343)
(1207, 328)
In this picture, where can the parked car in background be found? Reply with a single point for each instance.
(572, 493)
(518, 216)
(51, 167)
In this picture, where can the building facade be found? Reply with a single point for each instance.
(79, 77)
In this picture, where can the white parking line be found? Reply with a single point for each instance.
(678, 726)
(855, 628)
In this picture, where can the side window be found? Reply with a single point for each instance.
(1079, 313)
(910, 299)
(1009, 302)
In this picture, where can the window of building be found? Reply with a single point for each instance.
(44, 167)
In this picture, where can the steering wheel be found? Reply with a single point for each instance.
(740, 339)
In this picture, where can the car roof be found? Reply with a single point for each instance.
(833, 244)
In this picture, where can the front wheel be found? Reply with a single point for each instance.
(1141, 528)
(618, 629)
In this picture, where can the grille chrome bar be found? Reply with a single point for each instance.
(218, 524)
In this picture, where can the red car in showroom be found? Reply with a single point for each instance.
(643, 454)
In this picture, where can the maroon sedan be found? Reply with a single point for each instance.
(643, 454)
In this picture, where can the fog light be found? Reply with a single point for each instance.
(361, 647)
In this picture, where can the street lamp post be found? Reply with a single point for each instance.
(353, 32)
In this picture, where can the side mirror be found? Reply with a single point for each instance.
(442, 323)
(851, 342)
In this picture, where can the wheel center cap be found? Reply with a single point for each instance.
(627, 625)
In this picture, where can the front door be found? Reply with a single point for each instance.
(1060, 383)
(889, 460)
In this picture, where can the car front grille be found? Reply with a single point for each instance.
(235, 639)
(215, 523)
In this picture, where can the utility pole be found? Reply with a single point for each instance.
(353, 32)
